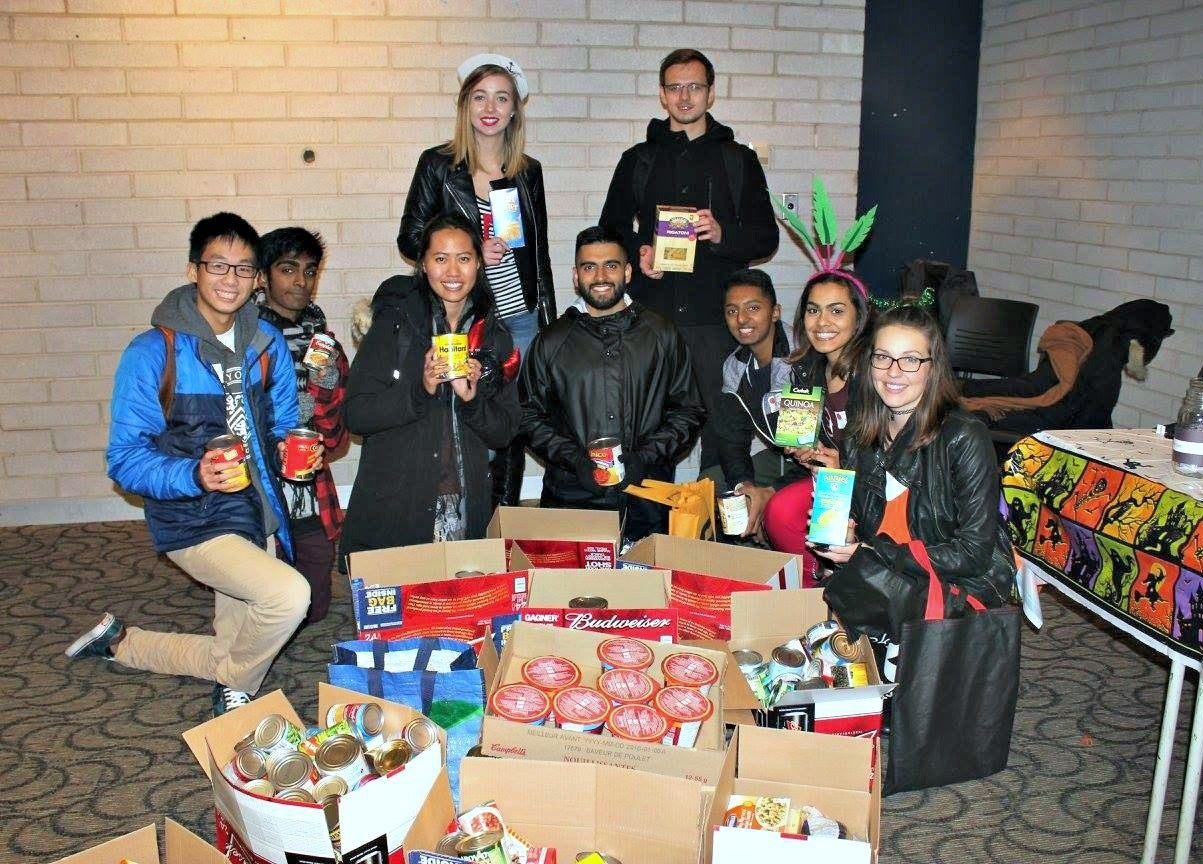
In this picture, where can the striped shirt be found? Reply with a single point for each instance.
(504, 280)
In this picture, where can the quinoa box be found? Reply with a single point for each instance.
(180, 846)
(408, 808)
(555, 537)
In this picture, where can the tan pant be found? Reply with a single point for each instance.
(258, 602)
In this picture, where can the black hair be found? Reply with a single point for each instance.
(755, 278)
(600, 234)
(864, 315)
(687, 55)
(482, 297)
(283, 242)
(221, 226)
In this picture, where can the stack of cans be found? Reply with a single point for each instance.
(824, 657)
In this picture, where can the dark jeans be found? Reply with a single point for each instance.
(709, 345)
(314, 560)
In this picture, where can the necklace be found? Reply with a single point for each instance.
(902, 413)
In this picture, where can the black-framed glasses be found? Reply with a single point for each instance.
(692, 88)
(906, 363)
(221, 268)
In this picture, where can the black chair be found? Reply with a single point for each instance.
(990, 336)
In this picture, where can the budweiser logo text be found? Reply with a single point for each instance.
(588, 621)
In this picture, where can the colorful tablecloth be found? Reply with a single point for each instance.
(1104, 508)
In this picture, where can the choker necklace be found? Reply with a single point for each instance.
(902, 413)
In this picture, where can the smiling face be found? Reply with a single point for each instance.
(751, 318)
(218, 298)
(600, 276)
(688, 106)
(451, 265)
(289, 284)
(829, 319)
(900, 391)
(491, 105)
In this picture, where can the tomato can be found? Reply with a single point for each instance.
(580, 709)
(686, 709)
(301, 449)
(623, 652)
(315, 738)
(366, 720)
(689, 670)
(229, 448)
(641, 723)
(606, 454)
(320, 352)
(520, 703)
(452, 349)
(733, 512)
(627, 687)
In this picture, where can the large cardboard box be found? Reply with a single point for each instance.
(636, 816)
(557, 538)
(180, 846)
(834, 774)
(408, 809)
(705, 575)
(637, 602)
(761, 622)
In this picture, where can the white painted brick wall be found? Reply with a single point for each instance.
(124, 121)
(1088, 184)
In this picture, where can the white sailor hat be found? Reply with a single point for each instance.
(477, 60)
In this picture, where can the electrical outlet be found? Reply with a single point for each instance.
(762, 151)
(792, 202)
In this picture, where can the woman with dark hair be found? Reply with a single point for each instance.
(423, 470)
(483, 161)
(925, 470)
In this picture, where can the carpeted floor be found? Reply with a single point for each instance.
(90, 750)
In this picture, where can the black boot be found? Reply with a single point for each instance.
(508, 467)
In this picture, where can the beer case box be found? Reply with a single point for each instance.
(633, 597)
(557, 538)
(834, 774)
(636, 815)
(408, 809)
(180, 846)
(761, 622)
(675, 241)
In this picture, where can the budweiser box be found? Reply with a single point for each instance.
(676, 239)
(413, 590)
(376, 822)
(705, 575)
(506, 738)
(636, 602)
(635, 816)
(557, 538)
(834, 775)
(180, 846)
(761, 622)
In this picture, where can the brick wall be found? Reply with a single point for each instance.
(124, 121)
(1087, 184)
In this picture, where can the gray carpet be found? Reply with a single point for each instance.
(90, 750)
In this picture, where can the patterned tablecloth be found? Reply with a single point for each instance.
(1104, 508)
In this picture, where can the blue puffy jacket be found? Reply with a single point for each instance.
(157, 458)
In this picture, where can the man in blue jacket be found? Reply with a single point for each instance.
(208, 367)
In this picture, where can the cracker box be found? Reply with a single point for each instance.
(556, 538)
(507, 217)
(799, 418)
(832, 504)
(408, 808)
(180, 846)
(676, 239)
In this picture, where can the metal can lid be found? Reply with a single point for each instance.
(391, 755)
(521, 703)
(323, 339)
(247, 741)
(332, 786)
(604, 442)
(791, 658)
(302, 432)
(636, 722)
(843, 647)
(270, 730)
(625, 652)
(221, 442)
(336, 752)
(550, 672)
(288, 768)
(447, 845)
(683, 704)
(477, 842)
(420, 733)
(747, 657)
(260, 787)
(626, 685)
(299, 795)
(588, 601)
(464, 574)
(691, 670)
(580, 705)
(250, 763)
(731, 493)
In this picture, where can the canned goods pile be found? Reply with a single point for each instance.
(626, 700)
(279, 760)
(824, 657)
(775, 813)
(480, 834)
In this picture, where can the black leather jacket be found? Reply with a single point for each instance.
(438, 187)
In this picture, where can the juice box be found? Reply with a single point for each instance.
(676, 238)
(507, 217)
(799, 417)
(832, 504)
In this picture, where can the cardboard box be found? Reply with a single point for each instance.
(834, 774)
(705, 575)
(636, 816)
(412, 590)
(702, 762)
(557, 538)
(180, 846)
(761, 622)
(410, 808)
(637, 602)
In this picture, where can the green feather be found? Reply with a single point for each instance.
(825, 225)
(793, 222)
(858, 231)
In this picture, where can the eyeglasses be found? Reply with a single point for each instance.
(692, 88)
(907, 363)
(221, 268)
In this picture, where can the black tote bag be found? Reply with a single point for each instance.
(954, 705)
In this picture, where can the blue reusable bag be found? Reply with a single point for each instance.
(436, 676)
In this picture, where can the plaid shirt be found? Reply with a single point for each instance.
(328, 422)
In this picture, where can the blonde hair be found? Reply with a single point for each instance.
(462, 146)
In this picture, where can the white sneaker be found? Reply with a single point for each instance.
(226, 699)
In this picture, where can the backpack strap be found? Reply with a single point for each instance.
(167, 378)
(732, 165)
(644, 157)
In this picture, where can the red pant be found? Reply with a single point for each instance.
(786, 519)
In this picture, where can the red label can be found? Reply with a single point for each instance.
(229, 448)
(320, 352)
(608, 469)
(301, 449)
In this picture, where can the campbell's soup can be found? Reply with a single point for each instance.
(452, 349)
(301, 448)
(637, 723)
(320, 352)
(733, 512)
(606, 454)
(686, 709)
(580, 709)
(623, 652)
(689, 670)
(520, 703)
(229, 448)
(627, 686)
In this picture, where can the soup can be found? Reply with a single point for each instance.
(295, 794)
(286, 770)
(580, 709)
(301, 449)
(484, 847)
(229, 448)
(689, 670)
(551, 673)
(390, 756)
(627, 687)
(623, 652)
(320, 352)
(786, 661)
(248, 764)
(686, 710)
(821, 631)
(260, 787)
(520, 703)
(733, 512)
(420, 733)
(329, 787)
(606, 454)
(637, 723)
(836, 650)
(452, 349)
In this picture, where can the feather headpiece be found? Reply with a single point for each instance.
(827, 255)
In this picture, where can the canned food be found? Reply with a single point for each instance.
(850, 675)
(637, 723)
(733, 512)
(275, 733)
(606, 454)
(551, 673)
(452, 349)
(580, 709)
(288, 769)
(329, 787)
(301, 449)
(627, 686)
(420, 733)
(296, 794)
(229, 448)
(520, 703)
(248, 764)
(785, 661)
(342, 756)
(790, 683)
(820, 631)
(391, 755)
(689, 670)
(320, 352)
(312, 742)
(366, 720)
(447, 845)
(260, 787)
(588, 601)
(247, 741)
(686, 709)
(836, 649)
(750, 662)
(465, 574)
(482, 847)
(622, 652)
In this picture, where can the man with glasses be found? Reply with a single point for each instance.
(690, 159)
(208, 368)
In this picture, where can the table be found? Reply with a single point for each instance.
(1101, 516)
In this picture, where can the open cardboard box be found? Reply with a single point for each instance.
(499, 737)
(761, 622)
(637, 602)
(180, 846)
(829, 772)
(557, 538)
(407, 809)
(636, 816)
